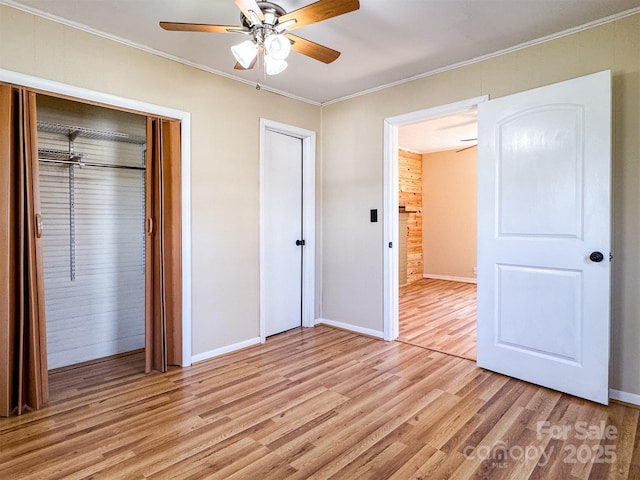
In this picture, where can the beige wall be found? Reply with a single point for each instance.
(225, 172)
(353, 171)
(225, 154)
(449, 211)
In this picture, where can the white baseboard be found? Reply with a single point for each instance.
(450, 278)
(351, 328)
(222, 350)
(626, 397)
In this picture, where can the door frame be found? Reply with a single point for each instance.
(50, 86)
(308, 138)
(390, 202)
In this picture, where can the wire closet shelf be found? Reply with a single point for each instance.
(70, 157)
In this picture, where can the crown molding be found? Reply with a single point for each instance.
(482, 58)
(147, 49)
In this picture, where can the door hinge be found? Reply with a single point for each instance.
(390, 244)
(300, 243)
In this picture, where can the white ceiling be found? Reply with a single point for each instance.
(438, 134)
(383, 42)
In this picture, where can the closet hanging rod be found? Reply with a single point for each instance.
(91, 164)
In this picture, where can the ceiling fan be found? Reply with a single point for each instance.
(470, 146)
(268, 25)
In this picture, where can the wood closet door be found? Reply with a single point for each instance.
(163, 245)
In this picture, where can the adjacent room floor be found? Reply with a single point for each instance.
(439, 315)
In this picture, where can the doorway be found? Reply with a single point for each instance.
(544, 205)
(287, 228)
(392, 204)
(437, 173)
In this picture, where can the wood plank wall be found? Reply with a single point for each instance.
(410, 188)
(402, 247)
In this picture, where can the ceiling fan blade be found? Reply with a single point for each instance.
(466, 148)
(312, 49)
(197, 27)
(318, 11)
(249, 6)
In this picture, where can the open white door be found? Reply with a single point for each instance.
(544, 173)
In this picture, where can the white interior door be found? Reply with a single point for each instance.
(544, 172)
(282, 214)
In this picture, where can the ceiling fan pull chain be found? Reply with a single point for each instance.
(258, 72)
(258, 69)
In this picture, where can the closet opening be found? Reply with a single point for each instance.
(92, 198)
(110, 236)
(107, 197)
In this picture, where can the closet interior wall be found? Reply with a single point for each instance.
(92, 190)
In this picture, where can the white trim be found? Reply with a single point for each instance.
(226, 349)
(308, 138)
(144, 48)
(42, 84)
(350, 327)
(437, 111)
(390, 228)
(482, 58)
(450, 278)
(626, 397)
(390, 199)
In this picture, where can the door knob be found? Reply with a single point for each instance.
(300, 243)
(596, 257)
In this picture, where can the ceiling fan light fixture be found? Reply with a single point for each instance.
(277, 46)
(273, 66)
(245, 52)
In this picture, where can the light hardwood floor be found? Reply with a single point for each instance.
(440, 315)
(314, 403)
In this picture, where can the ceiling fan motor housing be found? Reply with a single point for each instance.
(267, 8)
(261, 30)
